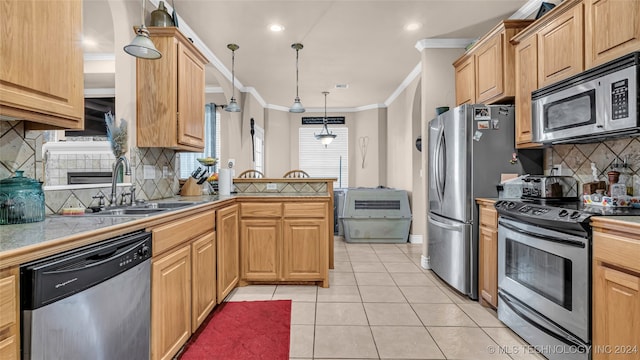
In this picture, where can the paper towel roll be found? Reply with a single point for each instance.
(224, 182)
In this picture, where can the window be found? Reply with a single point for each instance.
(259, 148)
(332, 161)
(188, 161)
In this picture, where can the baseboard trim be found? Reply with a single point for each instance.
(425, 262)
(415, 239)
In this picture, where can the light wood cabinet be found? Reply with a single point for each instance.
(170, 303)
(284, 241)
(228, 242)
(260, 249)
(203, 289)
(488, 253)
(10, 313)
(465, 73)
(561, 46)
(616, 289)
(485, 73)
(612, 29)
(41, 63)
(170, 94)
(526, 82)
(183, 281)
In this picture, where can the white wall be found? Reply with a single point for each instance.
(438, 89)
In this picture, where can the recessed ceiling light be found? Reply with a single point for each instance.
(276, 27)
(413, 26)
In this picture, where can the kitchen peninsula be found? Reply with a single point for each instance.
(281, 236)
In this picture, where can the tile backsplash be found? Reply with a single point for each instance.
(576, 159)
(21, 149)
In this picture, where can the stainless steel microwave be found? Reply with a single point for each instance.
(597, 104)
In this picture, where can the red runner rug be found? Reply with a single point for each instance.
(243, 330)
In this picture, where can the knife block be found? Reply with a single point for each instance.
(191, 188)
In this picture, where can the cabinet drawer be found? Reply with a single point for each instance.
(8, 297)
(305, 210)
(617, 249)
(488, 217)
(260, 210)
(179, 231)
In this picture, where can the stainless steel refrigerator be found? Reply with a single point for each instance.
(469, 147)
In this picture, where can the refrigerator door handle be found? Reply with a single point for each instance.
(440, 160)
(445, 225)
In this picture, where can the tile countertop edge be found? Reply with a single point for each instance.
(36, 249)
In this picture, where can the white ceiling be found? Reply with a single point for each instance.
(361, 43)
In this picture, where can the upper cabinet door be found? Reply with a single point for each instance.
(41, 63)
(489, 69)
(560, 47)
(465, 81)
(526, 82)
(612, 29)
(190, 101)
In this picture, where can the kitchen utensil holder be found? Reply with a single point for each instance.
(191, 188)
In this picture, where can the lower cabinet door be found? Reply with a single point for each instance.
(203, 289)
(170, 303)
(260, 240)
(488, 249)
(228, 250)
(616, 313)
(305, 249)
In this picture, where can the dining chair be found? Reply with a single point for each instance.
(296, 174)
(251, 174)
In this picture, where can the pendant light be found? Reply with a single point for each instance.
(325, 136)
(233, 104)
(297, 106)
(141, 46)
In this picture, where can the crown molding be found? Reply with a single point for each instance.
(437, 43)
(526, 10)
(417, 70)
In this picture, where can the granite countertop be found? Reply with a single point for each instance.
(62, 231)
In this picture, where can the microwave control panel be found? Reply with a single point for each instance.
(620, 99)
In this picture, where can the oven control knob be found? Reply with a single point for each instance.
(563, 213)
(575, 215)
(511, 205)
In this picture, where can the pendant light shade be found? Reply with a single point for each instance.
(325, 136)
(297, 105)
(233, 104)
(141, 46)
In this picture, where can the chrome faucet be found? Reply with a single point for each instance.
(127, 171)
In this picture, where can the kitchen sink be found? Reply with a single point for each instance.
(172, 205)
(127, 212)
(144, 209)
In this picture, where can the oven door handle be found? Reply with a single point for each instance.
(549, 238)
(559, 334)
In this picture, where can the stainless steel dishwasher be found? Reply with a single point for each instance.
(90, 303)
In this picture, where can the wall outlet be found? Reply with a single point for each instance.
(556, 170)
(231, 163)
(165, 172)
(149, 172)
(272, 186)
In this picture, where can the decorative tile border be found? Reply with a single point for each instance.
(282, 187)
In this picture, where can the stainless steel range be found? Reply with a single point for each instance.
(544, 273)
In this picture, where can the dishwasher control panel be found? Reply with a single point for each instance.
(53, 278)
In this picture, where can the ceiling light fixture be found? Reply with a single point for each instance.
(276, 28)
(297, 106)
(233, 104)
(325, 136)
(141, 46)
(413, 26)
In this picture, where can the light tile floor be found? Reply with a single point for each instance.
(382, 305)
